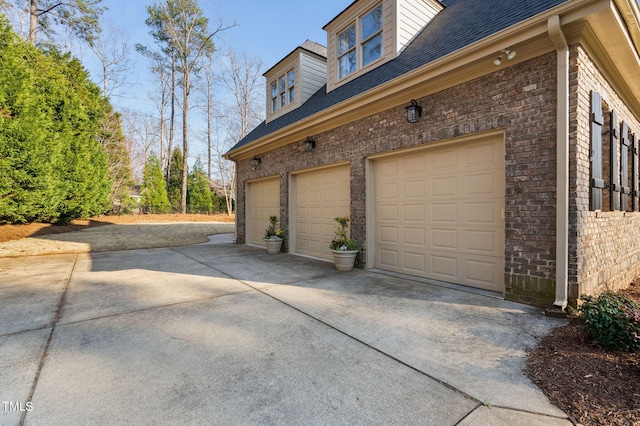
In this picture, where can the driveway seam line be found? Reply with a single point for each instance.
(45, 351)
(447, 385)
(362, 342)
(150, 308)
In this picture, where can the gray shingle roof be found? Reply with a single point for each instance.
(461, 23)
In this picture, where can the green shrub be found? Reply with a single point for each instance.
(612, 321)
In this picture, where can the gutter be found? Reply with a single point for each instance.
(562, 162)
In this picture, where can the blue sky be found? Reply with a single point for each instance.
(267, 30)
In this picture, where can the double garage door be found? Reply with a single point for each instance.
(436, 213)
(439, 213)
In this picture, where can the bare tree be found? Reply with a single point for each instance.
(242, 75)
(182, 25)
(165, 71)
(141, 136)
(113, 51)
(208, 80)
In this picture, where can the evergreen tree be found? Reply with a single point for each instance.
(198, 192)
(154, 193)
(52, 168)
(174, 186)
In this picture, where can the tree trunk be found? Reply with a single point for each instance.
(173, 115)
(33, 21)
(185, 140)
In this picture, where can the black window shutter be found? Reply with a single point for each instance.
(615, 171)
(634, 173)
(597, 182)
(625, 190)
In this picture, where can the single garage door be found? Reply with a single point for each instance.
(263, 201)
(439, 213)
(321, 196)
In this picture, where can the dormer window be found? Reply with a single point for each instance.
(295, 79)
(347, 51)
(361, 40)
(292, 80)
(369, 33)
(283, 91)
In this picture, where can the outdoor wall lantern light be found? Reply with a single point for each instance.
(414, 111)
(256, 161)
(510, 54)
(309, 144)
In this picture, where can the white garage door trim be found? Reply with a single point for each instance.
(263, 200)
(475, 237)
(310, 232)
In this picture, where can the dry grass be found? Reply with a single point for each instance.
(16, 232)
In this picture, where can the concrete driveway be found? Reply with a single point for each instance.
(220, 333)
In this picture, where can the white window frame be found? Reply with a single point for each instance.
(359, 43)
(281, 97)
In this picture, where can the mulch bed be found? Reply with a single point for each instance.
(591, 385)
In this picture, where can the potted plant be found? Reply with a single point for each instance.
(273, 236)
(344, 248)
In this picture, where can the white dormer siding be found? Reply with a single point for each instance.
(411, 17)
(350, 35)
(295, 78)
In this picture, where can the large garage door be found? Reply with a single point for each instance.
(439, 213)
(263, 199)
(321, 196)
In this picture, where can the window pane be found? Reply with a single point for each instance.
(347, 40)
(347, 64)
(372, 22)
(282, 84)
(274, 104)
(274, 90)
(292, 94)
(283, 100)
(292, 78)
(372, 49)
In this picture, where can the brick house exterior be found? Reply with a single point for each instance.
(518, 104)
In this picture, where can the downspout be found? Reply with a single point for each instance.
(562, 166)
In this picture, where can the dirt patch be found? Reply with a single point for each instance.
(111, 233)
(591, 385)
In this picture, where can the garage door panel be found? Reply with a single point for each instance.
(414, 237)
(414, 213)
(452, 230)
(485, 213)
(388, 234)
(389, 259)
(481, 242)
(444, 239)
(483, 274)
(324, 195)
(388, 212)
(414, 262)
(444, 213)
(444, 267)
(481, 184)
(444, 160)
(444, 187)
